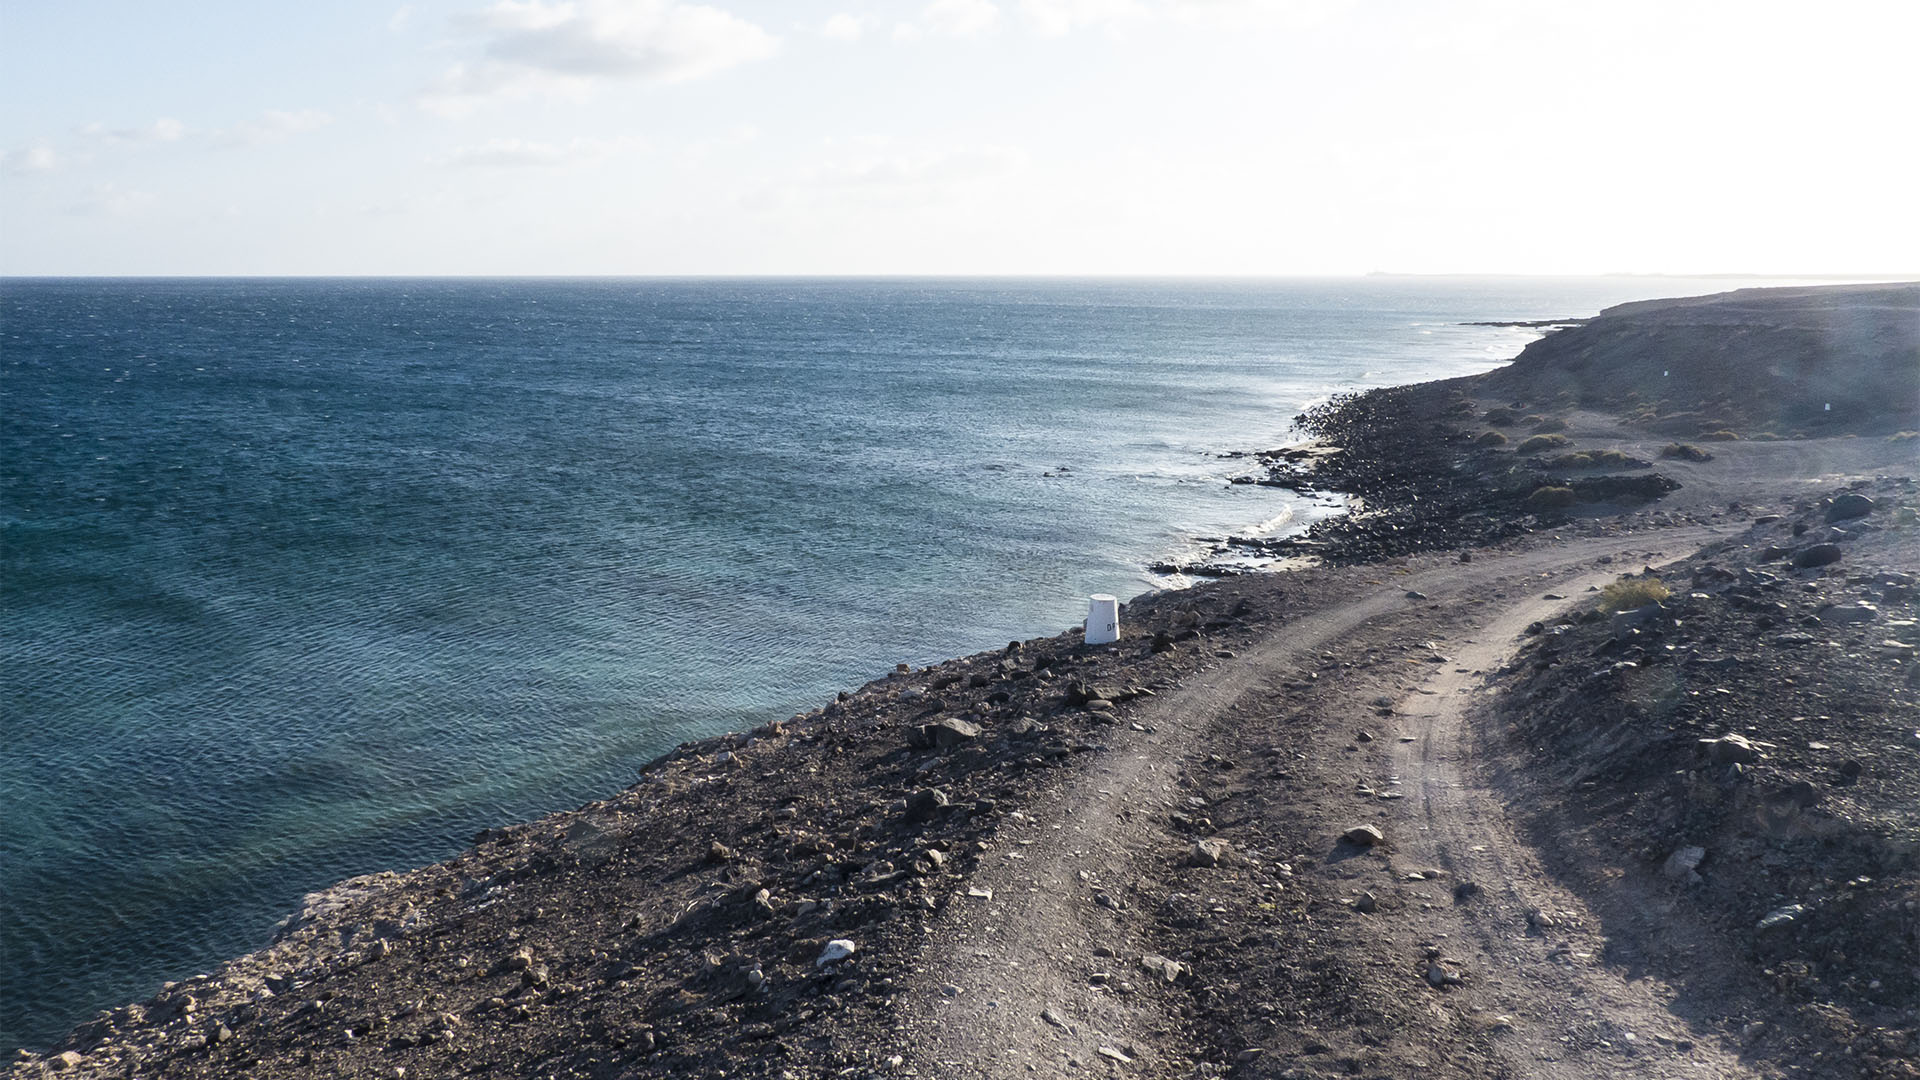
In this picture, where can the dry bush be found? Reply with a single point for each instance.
(1630, 593)
(1536, 443)
(1551, 498)
(1685, 452)
(1499, 417)
(1490, 438)
(1723, 435)
(1550, 424)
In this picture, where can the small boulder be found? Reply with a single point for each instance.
(1363, 836)
(1168, 970)
(1208, 852)
(925, 803)
(1780, 917)
(1732, 749)
(1683, 862)
(947, 733)
(1849, 506)
(1817, 555)
(837, 950)
(1624, 622)
(1845, 614)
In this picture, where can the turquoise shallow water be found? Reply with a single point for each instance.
(308, 578)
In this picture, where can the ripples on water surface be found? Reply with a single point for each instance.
(303, 579)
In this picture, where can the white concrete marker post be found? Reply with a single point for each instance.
(1103, 619)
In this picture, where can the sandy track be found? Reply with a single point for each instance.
(1526, 944)
(1007, 985)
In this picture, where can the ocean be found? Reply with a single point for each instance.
(307, 578)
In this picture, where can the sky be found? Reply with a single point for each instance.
(760, 137)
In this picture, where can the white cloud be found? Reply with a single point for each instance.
(270, 126)
(164, 130)
(401, 18)
(534, 46)
(274, 125)
(1055, 17)
(109, 200)
(41, 157)
(952, 18)
(528, 153)
(843, 27)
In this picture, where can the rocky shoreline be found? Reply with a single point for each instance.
(1130, 858)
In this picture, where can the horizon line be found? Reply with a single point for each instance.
(1888, 278)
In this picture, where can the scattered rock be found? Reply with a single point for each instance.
(1780, 917)
(1208, 852)
(1624, 623)
(1363, 836)
(1844, 614)
(926, 802)
(1168, 970)
(1817, 555)
(947, 733)
(837, 950)
(1680, 865)
(1848, 506)
(1732, 749)
(1366, 903)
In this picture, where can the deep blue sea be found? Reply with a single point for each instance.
(301, 579)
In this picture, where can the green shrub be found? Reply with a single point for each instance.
(1685, 452)
(1490, 438)
(1723, 435)
(1531, 419)
(1551, 423)
(1536, 443)
(1550, 498)
(1579, 459)
(1629, 593)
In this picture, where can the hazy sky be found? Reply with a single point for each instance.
(958, 136)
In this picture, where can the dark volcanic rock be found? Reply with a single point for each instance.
(1849, 506)
(1817, 555)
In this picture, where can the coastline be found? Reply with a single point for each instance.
(679, 919)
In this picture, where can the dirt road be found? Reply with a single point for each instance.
(1045, 976)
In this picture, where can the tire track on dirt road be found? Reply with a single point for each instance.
(1008, 985)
